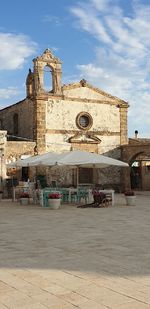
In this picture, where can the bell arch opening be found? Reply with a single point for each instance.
(47, 78)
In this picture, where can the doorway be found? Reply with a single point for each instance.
(25, 173)
(135, 176)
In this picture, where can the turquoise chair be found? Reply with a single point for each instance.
(46, 193)
(74, 198)
(82, 194)
(45, 197)
(65, 195)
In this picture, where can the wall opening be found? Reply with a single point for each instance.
(25, 173)
(15, 124)
(85, 175)
(140, 171)
(47, 78)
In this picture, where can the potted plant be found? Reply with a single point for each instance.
(130, 197)
(54, 200)
(24, 198)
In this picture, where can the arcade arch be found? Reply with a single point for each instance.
(137, 176)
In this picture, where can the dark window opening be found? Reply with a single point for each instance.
(84, 121)
(85, 175)
(25, 173)
(15, 124)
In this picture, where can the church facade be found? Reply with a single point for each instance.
(66, 117)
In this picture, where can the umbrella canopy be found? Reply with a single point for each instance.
(83, 159)
(34, 160)
(71, 158)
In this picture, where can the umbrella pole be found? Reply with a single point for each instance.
(77, 176)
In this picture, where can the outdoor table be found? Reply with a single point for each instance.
(17, 191)
(33, 193)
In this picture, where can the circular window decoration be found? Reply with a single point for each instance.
(84, 121)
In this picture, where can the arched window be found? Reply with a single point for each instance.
(15, 124)
(47, 74)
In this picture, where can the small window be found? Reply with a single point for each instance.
(84, 120)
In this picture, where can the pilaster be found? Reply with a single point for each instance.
(40, 123)
(123, 124)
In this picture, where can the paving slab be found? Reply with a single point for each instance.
(75, 258)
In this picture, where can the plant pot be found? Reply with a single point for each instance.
(24, 200)
(130, 200)
(54, 203)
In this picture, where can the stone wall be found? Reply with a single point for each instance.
(2, 157)
(17, 149)
(110, 177)
(61, 125)
(24, 110)
(11, 151)
(61, 115)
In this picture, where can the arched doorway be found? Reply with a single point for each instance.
(140, 172)
(135, 175)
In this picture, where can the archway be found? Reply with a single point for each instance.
(47, 78)
(140, 172)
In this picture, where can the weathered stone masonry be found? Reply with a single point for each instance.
(67, 117)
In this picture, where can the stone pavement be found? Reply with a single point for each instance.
(75, 258)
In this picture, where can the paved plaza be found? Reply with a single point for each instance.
(75, 258)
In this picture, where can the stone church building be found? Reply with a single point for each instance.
(68, 117)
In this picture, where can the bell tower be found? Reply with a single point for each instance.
(36, 90)
(54, 64)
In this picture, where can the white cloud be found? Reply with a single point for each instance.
(7, 93)
(14, 50)
(92, 24)
(122, 56)
(101, 5)
(52, 19)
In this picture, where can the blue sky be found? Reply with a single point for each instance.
(104, 41)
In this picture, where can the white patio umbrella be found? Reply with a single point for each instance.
(34, 160)
(81, 159)
(72, 158)
(77, 158)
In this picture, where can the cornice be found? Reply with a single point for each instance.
(104, 132)
(87, 85)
